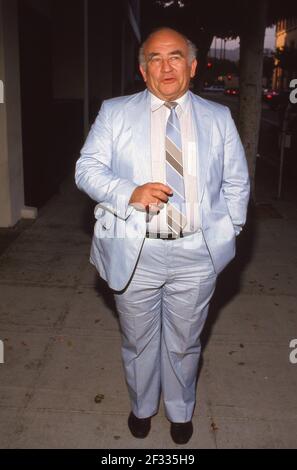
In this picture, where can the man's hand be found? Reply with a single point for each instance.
(150, 197)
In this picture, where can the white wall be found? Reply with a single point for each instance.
(11, 158)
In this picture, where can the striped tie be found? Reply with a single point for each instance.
(176, 209)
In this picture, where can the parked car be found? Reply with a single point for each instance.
(279, 101)
(269, 95)
(231, 91)
(214, 88)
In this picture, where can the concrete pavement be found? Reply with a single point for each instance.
(62, 383)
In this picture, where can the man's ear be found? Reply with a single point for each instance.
(193, 68)
(143, 72)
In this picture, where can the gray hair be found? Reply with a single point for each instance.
(192, 49)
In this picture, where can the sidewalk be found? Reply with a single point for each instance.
(62, 343)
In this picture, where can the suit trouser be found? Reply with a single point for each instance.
(162, 312)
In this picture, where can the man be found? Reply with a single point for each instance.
(169, 173)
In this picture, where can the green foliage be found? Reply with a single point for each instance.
(224, 19)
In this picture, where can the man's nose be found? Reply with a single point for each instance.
(166, 65)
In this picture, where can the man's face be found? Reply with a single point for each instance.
(168, 73)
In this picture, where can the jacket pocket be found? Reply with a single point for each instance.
(104, 216)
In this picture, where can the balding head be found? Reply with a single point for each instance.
(192, 49)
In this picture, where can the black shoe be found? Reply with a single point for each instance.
(139, 427)
(181, 432)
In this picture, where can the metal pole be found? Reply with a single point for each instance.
(282, 152)
(86, 69)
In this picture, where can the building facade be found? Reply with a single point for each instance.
(58, 61)
(286, 47)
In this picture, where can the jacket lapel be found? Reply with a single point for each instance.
(140, 121)
(203, 119)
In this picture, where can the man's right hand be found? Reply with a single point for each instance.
(150, 197)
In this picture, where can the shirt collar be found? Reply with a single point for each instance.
(156, 102)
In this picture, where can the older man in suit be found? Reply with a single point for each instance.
(168, 171)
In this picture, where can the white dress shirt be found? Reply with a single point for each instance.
(157, 223)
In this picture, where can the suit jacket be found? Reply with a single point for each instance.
(115, 159)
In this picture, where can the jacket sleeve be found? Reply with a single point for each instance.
(236, 184)
(93, 173)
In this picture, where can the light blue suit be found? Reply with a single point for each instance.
(116, 159)
(161, 320)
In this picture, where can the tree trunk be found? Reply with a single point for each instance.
(251, 68)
